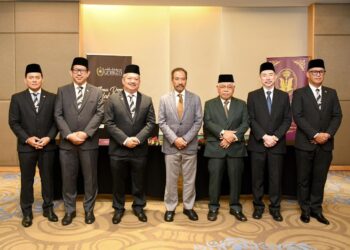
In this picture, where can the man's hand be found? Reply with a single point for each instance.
(269, 140)
(224, 144)
(132, 142)
(180, 143)
(75, 139)
(33, 141)
(82, 135)
(229, 136)
(321, 138)
(44, 141)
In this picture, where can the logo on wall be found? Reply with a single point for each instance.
(107, 72)
(290, 75)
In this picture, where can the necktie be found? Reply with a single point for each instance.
(180, 106)
(269, 101)
(132, 105)
(36, 101)
(80, 96)
(318, 98)
(226, 102)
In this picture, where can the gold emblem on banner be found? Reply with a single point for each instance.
(100, 71)
(287, 80)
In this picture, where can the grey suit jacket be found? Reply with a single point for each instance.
(25, 122)
(70, 119)
(121, 125)
(187, 127)
(215, 121)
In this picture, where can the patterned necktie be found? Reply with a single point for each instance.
(36, 101)
(80, 96)
(132, 105)
(180, 106)
(318, 98)
(226, 102)
(269, 101)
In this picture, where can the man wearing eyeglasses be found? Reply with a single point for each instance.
(317, 114)
(225, 122)
(78, 114)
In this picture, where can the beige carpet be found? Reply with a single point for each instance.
(225, 233)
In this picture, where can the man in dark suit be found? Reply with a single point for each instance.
(31, 120)
(78, 114)
(225, 122)
(317, 114)
(269, 118)
(180, 118)
(129, 119)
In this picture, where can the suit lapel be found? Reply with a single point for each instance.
(188, 101)
(138, 104)
(42, 100)
(85, 97)
(324, 98)
(125, 104)
(29, 99)
(263, 101)
(312, 97)
(220, 109)
(71, 91)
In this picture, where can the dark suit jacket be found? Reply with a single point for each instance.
(215, 121)
(121, 125)
(25, 122)
(310, 120)
(88, 119)
(261, 122)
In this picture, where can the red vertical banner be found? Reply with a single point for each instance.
(291, 74)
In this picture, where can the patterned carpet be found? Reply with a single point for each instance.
(225, 233)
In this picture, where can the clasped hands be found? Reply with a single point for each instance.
(132, 142)
(77, 138)
(180, 143)
(38, 143)
(321, 138)
(269, 140)
(227, 138)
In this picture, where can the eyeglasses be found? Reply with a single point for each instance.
(317, 72)
(223, 86)
(76, 71)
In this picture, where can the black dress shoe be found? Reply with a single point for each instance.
(117, 217)
(141, 215)
(27, 220)
(212, 215)
(169, 216)
(50, 215)
(238, 214)
(320, 218)
(89, 217)
(276, 215)
(68, 218)
(191, 214)
(305, 217)
(257, 214)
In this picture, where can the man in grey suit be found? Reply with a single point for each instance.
(32, 121)
(129, 120)
(270, 118)
(317, 113)
(225, 122)
(78, 114)
(180, 118)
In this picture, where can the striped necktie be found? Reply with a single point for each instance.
(80, 96)
(132, 105)
(226, 102)
(318, 98)
(36, 101)
(269, 101)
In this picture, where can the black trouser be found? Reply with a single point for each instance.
(27, 163)
(274, 168)
(312, 170)
(119, 168)
(217, 167)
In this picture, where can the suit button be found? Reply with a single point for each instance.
(180, 123)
